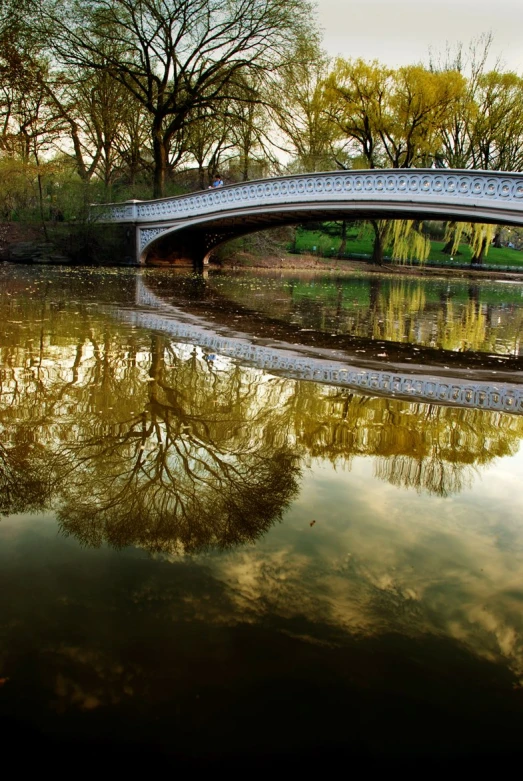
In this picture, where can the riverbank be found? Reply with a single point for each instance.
(26, 243)
(14, 233)
(306, 262)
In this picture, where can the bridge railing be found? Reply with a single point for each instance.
(500, 192)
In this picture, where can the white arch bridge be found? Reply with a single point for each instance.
(186, 228)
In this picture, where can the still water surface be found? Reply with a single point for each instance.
(204, 560)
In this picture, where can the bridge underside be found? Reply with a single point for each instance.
(181, 245)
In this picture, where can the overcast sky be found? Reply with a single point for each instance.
(401, 32)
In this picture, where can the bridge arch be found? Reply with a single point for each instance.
(187, 228)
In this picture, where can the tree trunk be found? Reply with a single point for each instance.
(245, 167)
(201, 176)
(447, 249)
(40, 193)
(343, 244)
(377, 249)
(160, 154)
(41, 203)
(478, 258)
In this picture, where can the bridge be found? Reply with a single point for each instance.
(185, 229)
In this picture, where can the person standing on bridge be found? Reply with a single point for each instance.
(216, 182)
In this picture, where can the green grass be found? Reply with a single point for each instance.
(495, 257)
(325, 245)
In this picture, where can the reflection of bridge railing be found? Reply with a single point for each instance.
(283, 360)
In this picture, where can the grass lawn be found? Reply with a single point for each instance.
(360, 243)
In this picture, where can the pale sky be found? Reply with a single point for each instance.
(401, 32)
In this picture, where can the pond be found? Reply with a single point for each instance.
(260, 517)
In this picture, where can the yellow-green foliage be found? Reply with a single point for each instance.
(481, 234)
(406, 242)
(476, 232)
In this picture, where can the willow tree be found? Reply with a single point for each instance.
(356, 94)
(174, 56)
(392, 118)
(418, 107)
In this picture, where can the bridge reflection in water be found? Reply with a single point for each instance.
(142, 438)
(423, 384)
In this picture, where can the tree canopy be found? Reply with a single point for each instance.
(125, 99)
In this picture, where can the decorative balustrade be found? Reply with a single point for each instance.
(501, 190)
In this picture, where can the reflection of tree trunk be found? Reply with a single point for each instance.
(473, 292)
(339, 307)
(156, 357)
(377, 249)
(374, 293)
(479, 256)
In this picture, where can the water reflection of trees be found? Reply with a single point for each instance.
(136, 440)
(187, 469)
(415, 445)
(466, 317)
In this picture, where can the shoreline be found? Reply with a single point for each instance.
(18, 239)
(246, 262)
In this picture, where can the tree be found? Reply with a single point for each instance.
(418, 107)
(29, 124)
(356, 93)
(250, 132)
(496, 134)
(208, 137)
(299, 109)
(173, 57)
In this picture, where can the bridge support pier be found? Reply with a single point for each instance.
(186, 250)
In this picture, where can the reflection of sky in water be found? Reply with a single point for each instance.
(379, 559)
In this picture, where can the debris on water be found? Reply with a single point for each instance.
(312, 523)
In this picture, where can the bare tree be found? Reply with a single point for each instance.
(173, 55)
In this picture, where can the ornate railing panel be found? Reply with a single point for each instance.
(497, 192)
